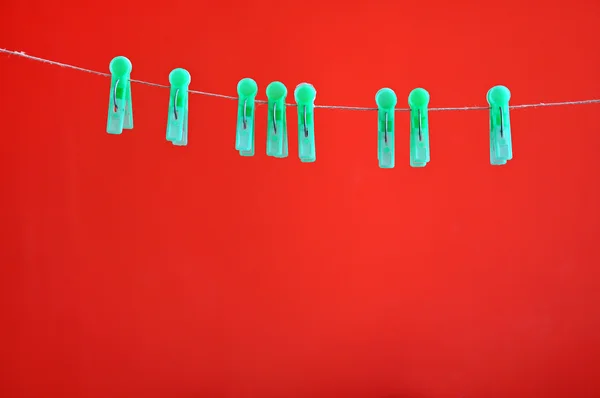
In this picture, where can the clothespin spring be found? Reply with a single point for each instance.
(116, 107)
(386, 127)
(420, 139)
(244, 120)
(501, 124)
(305, 127)
(274, 118)
(175, 104)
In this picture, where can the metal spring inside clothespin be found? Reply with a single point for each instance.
(420, 138)
(305, 126)
(175, 104)
(275, 118)
(501, 124)
(244, 119)
(116, 107)
(386, 128)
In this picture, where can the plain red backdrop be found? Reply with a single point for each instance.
(133, 268)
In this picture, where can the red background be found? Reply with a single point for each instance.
(133, 268)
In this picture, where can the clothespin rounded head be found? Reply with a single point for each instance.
(418, 98)
(276, 91)
(498, 95)
(180, 78)
(386, 98)
(305, 94)
(120, 66)
(247, 87)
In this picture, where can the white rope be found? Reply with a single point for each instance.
(342, 107)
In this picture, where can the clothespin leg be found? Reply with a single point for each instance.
(184, 132)
(494, 159)
(116, 117)
(284, 143)
(386, 157)
(128, 122)
(245, 137)
(251, 151)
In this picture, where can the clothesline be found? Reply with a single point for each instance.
(340, 107)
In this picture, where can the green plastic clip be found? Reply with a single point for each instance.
(386, 101)
(418, 99)
(120, 113)
(277, 139)
(500, 135)
(177, 123)
(305, 95)
(244, 133)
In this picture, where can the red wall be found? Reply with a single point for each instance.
(132, 268)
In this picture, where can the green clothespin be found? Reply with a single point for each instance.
(500, 135)
(386, 101)
(244, 133)
(277, 140)
(305, 99)
(120, 114)
(177, 123)
(418, 99)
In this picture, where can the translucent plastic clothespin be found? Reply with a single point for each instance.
(120, 114)
(244, 133)
(500, 134)
(305, 95)
(277, 140)
(386, 101)
(418, 99)
(177, 123)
